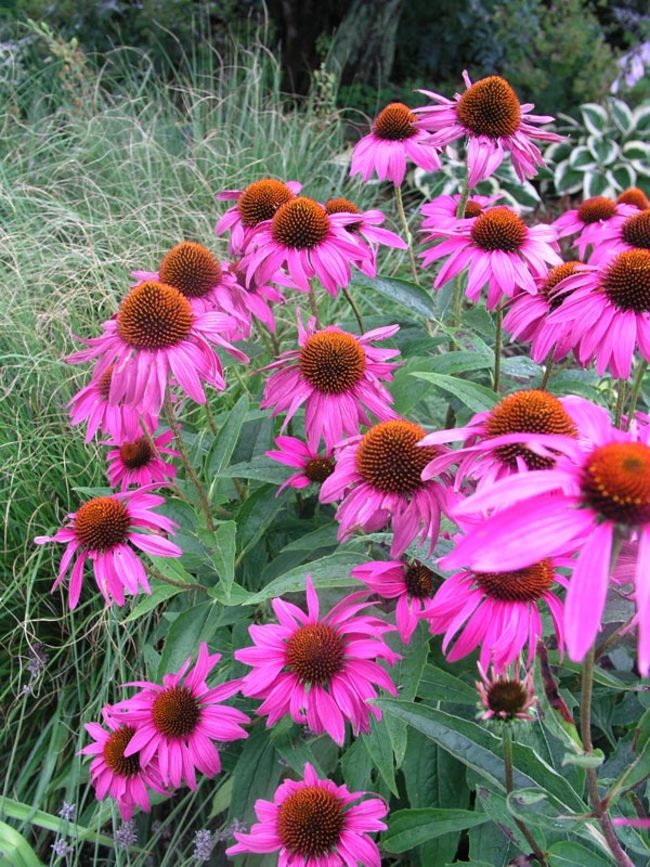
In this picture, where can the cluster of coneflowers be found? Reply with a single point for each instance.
(546, 493)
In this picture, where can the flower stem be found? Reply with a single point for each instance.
(314, 305)
(409, 238)
(497, 350)
(592, 777)
(189, 469)
(636, 391)
(620, 402)
(507, 761)
(464, 196)
(210, 418)
(548, 367)
(355, 308)
(458, 289)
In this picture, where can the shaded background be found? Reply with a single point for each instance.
(558, 54)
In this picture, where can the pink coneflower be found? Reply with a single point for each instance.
(112, 773)
(91, 404)
(505, 696)
(408, 581)
(607, 312)
(500, 611)
(313, 468)
(597, 489)
(484, 456)
(500, 250)
(632, 233)
(198, 275)
(527, 317)
(155, 335)
(255, 204)
(590, 220)
(319, 671)
(367, 225)
(442, 210)
(176, 723)
(137, 459)
(338, 377)
(378, 480)
(493, 121)
(303, 238)
(394, 140)
(634, 196)
(259, 298)
(100, 531)
(311, 823)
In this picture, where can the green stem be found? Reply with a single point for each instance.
(636, 391)
(210, 418)
(599, 809)
(548, 367)
(314, 305)
(185, 458)
(507, 761)
(409, 238)
(458, 289)
(620, 402)
(355, 309)
(497, 350)
(464, 196)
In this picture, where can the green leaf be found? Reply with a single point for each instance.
(256, 775)
(621, 176)
(637, 150)
(477, 397)
(261, 469)
(226, 440)
(185, 634)
(595, 184)
(439, 685)
(633, 774)
(406, 676)
(594, 117)
(330, 571)
(641, 117)
(223, 553)
(480, 750)
(584, 760)
(256, 514)
(409, 295)
(409, 828)
(567, 179)
(159, 594)
(570, 854)
(380, 750)
(582, 159)
(603, 150)
(15, 850)
(621, 115)
(451, 363)
(27, 813)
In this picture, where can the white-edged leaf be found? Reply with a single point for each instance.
(621, 115)
(641, 117)
(582, 158)
(595, 184)
(637, 150)
(567, 179)
(594, 117)
(603, 150)
(621, 177)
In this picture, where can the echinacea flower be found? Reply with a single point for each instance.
(177, 722)
(484, 457)
(368, 226)
(505, 696)
(313, 823)
(198, 275)
(259, 298)
(590, 220)
(255, 204)
(321, 671)
(527, 317)
(408, 581)
(443, 209)
(112, 773)
(136, 458)
(498, 611)
(91, 404)
(103, 531)
(303, 238)
(337, 375)
(597, 490)
(632, 233)
(634, 196)
(500, 250)
(313, 468)
(393, 141)
(607, 313)
(377, 478)
(492, 120)
(155, 335)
